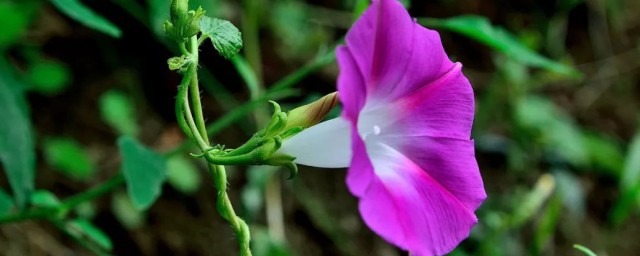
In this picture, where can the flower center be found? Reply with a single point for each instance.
(376, 130)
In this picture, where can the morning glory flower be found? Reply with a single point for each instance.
(404, 133)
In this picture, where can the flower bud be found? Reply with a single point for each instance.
(183, 23)
(312, 113)
(178, 9)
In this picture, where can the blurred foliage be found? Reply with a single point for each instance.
(69, 157)
(556, 125)
(78, 11)
(118, 110)
(144, 170)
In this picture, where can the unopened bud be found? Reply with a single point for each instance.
(183, 23)
(178, 9)
(312, 113)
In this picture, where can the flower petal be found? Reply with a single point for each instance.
(450, 162)
(360, 172)
(327, 144)
(351, 85)
(394, 54)
(380, 42)
(444, 108)
(428, 63)
(406, 205)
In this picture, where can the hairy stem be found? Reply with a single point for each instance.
(199, 132)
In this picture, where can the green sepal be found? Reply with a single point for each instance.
(285, 161)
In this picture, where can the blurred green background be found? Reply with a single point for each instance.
(556, 127)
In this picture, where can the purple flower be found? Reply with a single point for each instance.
(404, 133)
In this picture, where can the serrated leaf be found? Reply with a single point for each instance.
(226, 38)
(81, 13)
(144, 171)
(480, 29)
(82, 228)
(6, 203)
(118, 111)
(44, 198)
(125, 212)
(183, 175)
(69, 157)
(48, 77)
(17, 152)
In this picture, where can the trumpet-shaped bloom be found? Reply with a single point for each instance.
(404, 133)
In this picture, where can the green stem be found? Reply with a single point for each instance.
(225, 209)
(199, 132)
(195, 92)
(69, 203)
(94, 192)
(192, 125)
(180, 99)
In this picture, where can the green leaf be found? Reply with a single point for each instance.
(604, 152)
(534, 200)
(6, 203)
(585, 250)
(631, 172)
(125, 212)
(158, 13)
(144, 171)
(17, 152)
(14, 19)
(547, 224)
(629, 183)
(558, 133)
(81, 228)
(480, 29)
(69, 157)
(360, 7)
(183, 175)
(49, 77)
(81, 13)
(44, 198)
(118, 111)
(226, 38)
